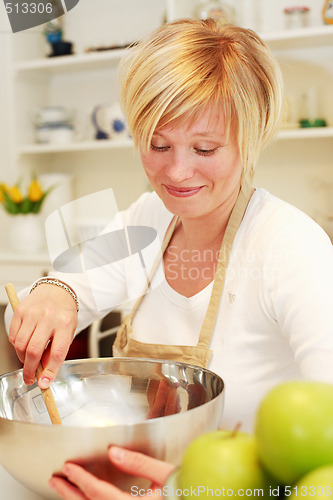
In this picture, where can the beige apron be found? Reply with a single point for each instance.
(200, 354)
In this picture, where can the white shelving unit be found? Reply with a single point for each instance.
(50, 72)
(94, 62)
(79, 82)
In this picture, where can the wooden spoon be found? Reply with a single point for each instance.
(46, 393)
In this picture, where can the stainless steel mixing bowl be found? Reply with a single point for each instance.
(157, 407)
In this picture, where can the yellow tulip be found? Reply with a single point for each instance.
(3, 189)
(15, 194)
(35, 191)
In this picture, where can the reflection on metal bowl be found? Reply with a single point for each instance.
(154, 406)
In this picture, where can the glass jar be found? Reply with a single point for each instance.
(296, 17)
(214, 9)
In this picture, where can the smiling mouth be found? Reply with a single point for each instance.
(182, 192)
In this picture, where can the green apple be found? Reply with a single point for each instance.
(220, 463)
(294, 429)
(317, 484)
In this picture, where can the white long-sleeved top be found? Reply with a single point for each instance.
(275, 321)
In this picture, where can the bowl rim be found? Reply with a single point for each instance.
(120, 358)
(124, 425)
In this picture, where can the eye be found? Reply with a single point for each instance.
(205, 152)
(159, 148)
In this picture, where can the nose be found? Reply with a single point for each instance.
(179, 167)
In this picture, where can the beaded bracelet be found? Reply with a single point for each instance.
(54, 281)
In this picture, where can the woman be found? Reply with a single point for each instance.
(247, 280)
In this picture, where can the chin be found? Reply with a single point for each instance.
(184, 209)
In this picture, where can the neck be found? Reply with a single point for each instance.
(206, 231)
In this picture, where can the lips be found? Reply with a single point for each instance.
(182, 192)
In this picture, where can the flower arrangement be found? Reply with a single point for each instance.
(15, 202)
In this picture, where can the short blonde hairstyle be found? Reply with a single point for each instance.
(179, 69)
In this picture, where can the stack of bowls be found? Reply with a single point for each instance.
(53, 125)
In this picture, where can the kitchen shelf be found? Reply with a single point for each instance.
(76, 62)
(312, 36)
(32, 149)
(305, 133)
(94, 145)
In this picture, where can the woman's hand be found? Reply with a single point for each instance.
(82, 485)
(48, 313)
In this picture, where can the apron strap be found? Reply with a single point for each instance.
(158, 259)
(231, 230)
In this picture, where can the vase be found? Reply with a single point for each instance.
(26, 233)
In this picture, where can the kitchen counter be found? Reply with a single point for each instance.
(13, 490)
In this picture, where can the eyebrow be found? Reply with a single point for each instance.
(208, 134)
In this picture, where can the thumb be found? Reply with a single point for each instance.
(139, 464)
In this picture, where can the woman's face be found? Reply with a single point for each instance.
(194, 169)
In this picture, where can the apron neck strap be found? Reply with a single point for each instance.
(166, 241)
(234, 222)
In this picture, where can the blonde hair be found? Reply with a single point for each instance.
(174, 73)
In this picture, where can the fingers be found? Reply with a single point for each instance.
(29, 344)
(84, 486)
(65, 489)
(14, 325)
(138, 464)
(19, 334)
(37, 320)
(54, 357)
